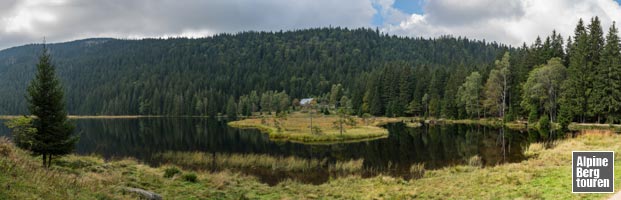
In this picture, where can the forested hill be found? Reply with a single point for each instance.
(200, 76)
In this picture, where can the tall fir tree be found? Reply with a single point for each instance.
(578, 86)
(596, 73)
(54, 135)
(610, 71)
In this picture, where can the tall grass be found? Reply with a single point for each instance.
(417, 170)
(198, 160)
(475, 161)
(201, 160)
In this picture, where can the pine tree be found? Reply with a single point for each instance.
(46, 102)
(610, 72)
(596, 73)
(231, 109)
(578, 86)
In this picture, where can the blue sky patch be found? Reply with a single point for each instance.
(405, 6)
(410, 6)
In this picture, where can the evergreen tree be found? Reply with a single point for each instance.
(578, 87)
(609, 93)
(231, 109)
(46, 102)
(595, 47)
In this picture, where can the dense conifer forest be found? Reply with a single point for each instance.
(199, 76)
(557, 78)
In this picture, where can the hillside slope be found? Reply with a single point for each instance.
(179, 76)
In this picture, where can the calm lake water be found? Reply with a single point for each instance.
(437, 146)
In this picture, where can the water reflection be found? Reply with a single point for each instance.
(437, 146)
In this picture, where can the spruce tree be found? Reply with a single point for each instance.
(54, 135)
(609, 93)
(231, 109)
(578, 86)
(596, 73)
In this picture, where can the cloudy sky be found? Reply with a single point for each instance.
(506, 21)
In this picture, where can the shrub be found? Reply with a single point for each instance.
(171, 171)
(417, 170)
(189, 177)
(532, 116)
(475, 161)
(5, 147)
(544, 124)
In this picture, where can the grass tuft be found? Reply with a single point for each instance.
(417, 170)
(475, 161)
(189, 177)
(169, 172)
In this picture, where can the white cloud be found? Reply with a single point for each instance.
(511, 22)
(27, 21)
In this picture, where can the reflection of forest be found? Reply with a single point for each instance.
(436, 146)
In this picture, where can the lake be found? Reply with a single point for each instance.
(436, 146)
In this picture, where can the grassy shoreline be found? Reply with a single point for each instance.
(546, 175)
(93, 116)
(296, 128)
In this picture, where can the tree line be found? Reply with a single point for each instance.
(180, 76)
(561, 79)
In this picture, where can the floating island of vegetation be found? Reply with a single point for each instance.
(296, 127)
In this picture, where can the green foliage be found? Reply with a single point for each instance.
(54, 135)
(180, 76)
(190, 177)
(497, 87)
(608, 88)
(533, 115)
(365, 72)
(543, 87)
(23, 132)
(169, 172)
(564, 119)
(544, 124)
(581, 75)
(366, 117)
(344, 119)
(231, 109)
(469, 94)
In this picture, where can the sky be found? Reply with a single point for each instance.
(511, 22)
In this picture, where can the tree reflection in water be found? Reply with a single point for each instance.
(436, 146)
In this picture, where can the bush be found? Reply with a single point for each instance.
(532, 116)
(544, 124)
(189, 177)
(417, 170)
(171, 171)
(564, 119)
